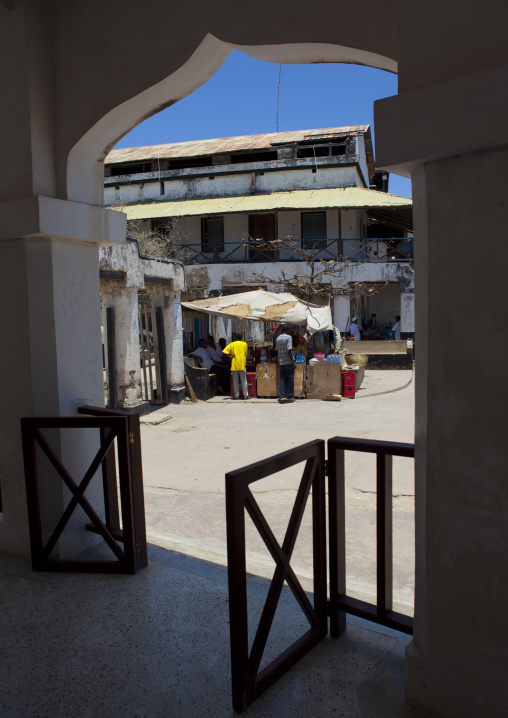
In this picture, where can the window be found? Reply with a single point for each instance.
(163, 227)
(212, 234)
(130, 169)
(313, 230)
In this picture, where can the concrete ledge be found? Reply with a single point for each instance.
(176, 396)
(39, 216)
(421, 126)
(376, 347)
(142, 409)
(155, 419)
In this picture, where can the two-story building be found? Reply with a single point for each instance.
(316, 190)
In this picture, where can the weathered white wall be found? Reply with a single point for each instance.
(365, 273)
(341, 312)
(123, 296)
(139, 190)
(360, 151)
(306, 179)
(351, 223)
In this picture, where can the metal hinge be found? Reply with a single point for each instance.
(326, 467)
(131, 437)
(138, 548)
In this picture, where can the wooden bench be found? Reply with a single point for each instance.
(202, 382)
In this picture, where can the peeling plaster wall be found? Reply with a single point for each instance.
(220, 274)
(123, 296)
(360, 151)
(217, 183)
(306, 179)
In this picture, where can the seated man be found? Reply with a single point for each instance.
(215, 353)
(206, 362)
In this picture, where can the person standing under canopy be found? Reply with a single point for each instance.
(284, 346)
(238, 350)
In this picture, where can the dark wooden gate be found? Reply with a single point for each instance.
(152, 348)
(247, 681)
(123, 526)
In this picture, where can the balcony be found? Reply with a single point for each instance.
(393, 250)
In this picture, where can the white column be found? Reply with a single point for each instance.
(222, 329)
(456, 664)
(174, 347)
(51, 359)
(257, 332)
(124, 300)
(341, 311)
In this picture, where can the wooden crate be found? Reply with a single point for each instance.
(300, 375)
(323, 380)
(268, 380)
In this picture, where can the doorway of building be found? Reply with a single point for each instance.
(262, 226)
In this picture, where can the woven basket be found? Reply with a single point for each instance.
(360, 359)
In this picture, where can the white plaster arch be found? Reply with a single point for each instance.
(84, 180)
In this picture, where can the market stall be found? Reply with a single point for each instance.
(314, 336)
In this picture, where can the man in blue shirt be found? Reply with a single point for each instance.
(284, 346)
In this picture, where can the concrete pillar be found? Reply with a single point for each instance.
(124, 300)
(341, 311)
(407, 313)
(257, 331)
(172, 312)
(51, 360)
(222, 328)
(456, 663)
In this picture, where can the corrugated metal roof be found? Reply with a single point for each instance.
(353, 197)
(228, 144)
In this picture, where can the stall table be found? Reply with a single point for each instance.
(268, 380)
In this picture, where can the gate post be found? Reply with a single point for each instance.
(159, 321)
(111, 354)
(337, 538)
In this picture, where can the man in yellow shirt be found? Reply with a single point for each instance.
(238, 351)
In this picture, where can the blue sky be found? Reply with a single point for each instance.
(241, 99)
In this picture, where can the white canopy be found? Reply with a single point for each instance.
(264, 306)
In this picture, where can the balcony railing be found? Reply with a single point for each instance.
(250, 251)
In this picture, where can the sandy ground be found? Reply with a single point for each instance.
(186, 457)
